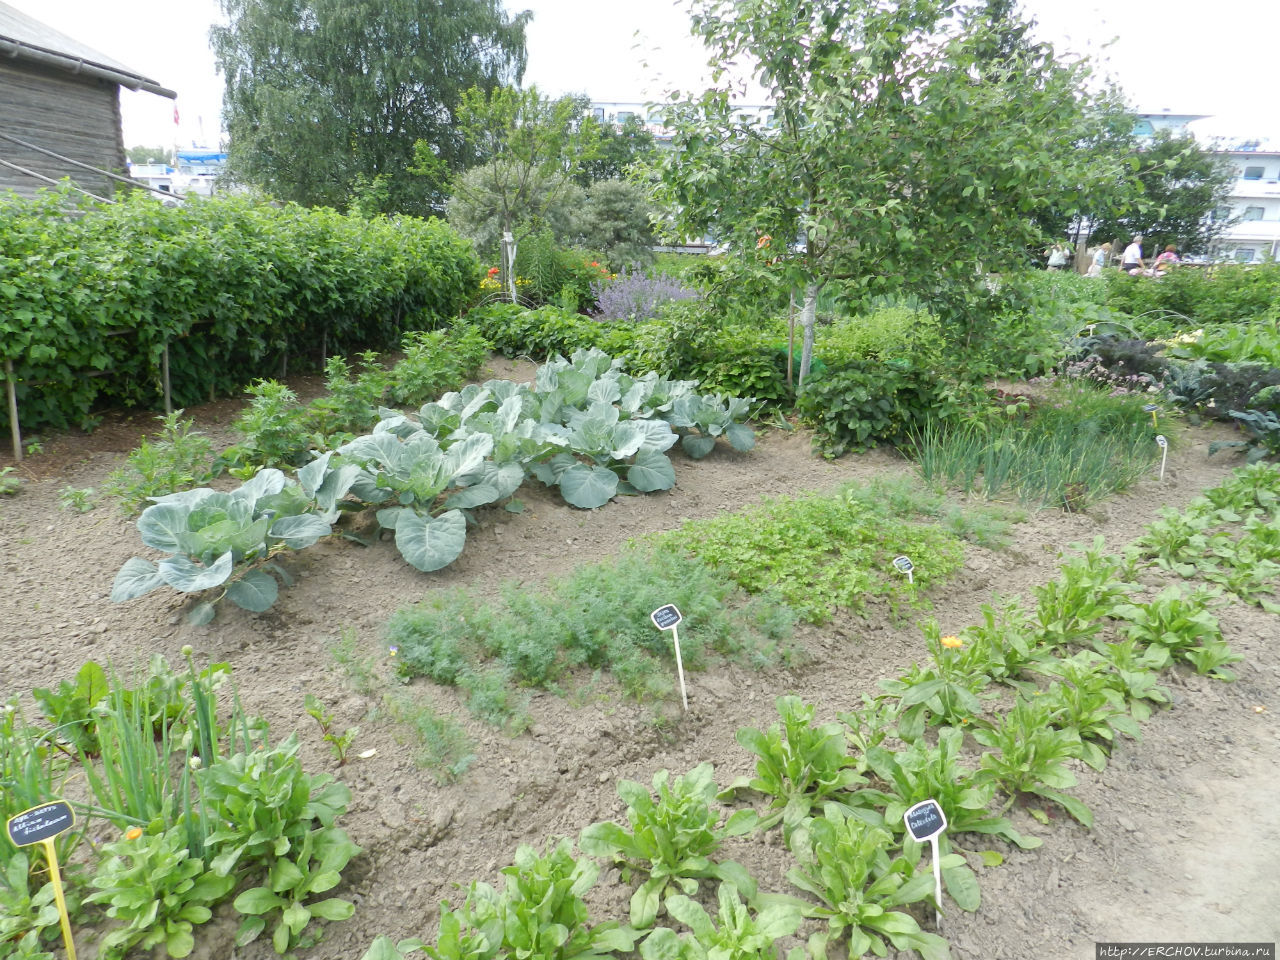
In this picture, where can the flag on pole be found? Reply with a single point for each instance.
(175, 114)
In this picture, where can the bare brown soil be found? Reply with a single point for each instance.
(1187, 828)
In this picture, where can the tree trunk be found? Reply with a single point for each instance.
(508, 256)
(808, 318)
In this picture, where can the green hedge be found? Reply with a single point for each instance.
(237, 287)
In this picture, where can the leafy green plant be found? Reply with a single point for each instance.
(739, 935)
(1029, 755)
(339, 743)
(946, 692)
(70, 708)
(1263, 428)
(157, 891)
(313, 867)
(179, 457)
(10, 482)
(27, 909)
(844, 862)
(1071, 609)
(1087, 699)
(435, 362)
(1135, 669)
(273, 428)
(232, 538)
(539, 912)
(903, 778)
(1172, 624)
(798, 763)
(442, 746)
(671, 840)
(822, 552)
(79, 499)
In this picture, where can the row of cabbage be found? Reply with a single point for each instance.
(585, 427)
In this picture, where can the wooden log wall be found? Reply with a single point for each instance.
(75, 116)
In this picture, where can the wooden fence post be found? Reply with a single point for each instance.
(12, 391)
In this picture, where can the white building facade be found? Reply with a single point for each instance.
(1254, 234)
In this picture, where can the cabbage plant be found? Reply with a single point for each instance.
(711, 417)
(230, 540)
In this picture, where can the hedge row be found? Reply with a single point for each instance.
(236, 287)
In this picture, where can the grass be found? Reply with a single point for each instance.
(1081, 446)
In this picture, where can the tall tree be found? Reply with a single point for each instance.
(912, 144)
(322, 95)
(531, 146)
(1182, 184)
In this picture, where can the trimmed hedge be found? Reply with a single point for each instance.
(237, 287)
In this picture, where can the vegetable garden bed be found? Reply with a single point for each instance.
(1201, 766)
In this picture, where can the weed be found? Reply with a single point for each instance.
(339, 743)
(10, 482)
(79, 499)
(357, 667)
(180, 457)
(442, 746)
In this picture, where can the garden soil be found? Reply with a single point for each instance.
(1187, 827)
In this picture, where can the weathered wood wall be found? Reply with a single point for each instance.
(75, 116)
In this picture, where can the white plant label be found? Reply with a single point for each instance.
(667, 618)
(1163, 444)
(926, 821)
(904, 565)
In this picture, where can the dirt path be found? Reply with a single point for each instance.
(1186, 832)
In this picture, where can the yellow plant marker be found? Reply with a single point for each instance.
(40, 825)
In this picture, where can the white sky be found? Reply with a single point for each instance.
(1188, 57)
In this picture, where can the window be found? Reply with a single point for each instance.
(1245, 254)
(598, 112)
(1252, 213)
(1252, 173)
(1143, 128)
(624, 116)
(1220, 213)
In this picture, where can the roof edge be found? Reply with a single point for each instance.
(16, 49)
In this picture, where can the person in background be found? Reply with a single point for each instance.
(1166, 259)
(1057, 256)
(1131, 263)
(1100, 258)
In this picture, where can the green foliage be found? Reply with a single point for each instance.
(1080, 446)
(1071, 609)
(71, 708)
(214, 538)
(273, 427)
(670, 840)
(341, 66)
(740, 934)
(799, 764)
(442, 745)
(598, 617)
(1029, 755)
(821, 552)
(312, 867)
(339, 743)
(436, 362)
(1174, 626)
(617, 219)
(1227, 293)
(157, 892)
(79, 499)
(845, 863)
(236, 288)
(1249, 342)
(10, 482)
(539, 912)
(1182, 182)
(180, 457)
(861, 402)
(945, 692)
(1087, 699)
(28, 910)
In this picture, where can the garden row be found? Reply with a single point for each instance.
(999, 712)
(226, 289)
(584, 427)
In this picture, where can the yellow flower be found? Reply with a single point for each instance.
(133, 833)
(952, 643)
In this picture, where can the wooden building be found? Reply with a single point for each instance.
(59, 108)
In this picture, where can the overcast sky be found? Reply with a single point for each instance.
(1210, 58)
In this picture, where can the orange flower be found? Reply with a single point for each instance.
(951, 643)
(763, 241)
(595, 263)
(494, 271)
(133, 833)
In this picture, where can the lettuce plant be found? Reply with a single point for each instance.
(215, 538)
(670, 840)
(741, 934)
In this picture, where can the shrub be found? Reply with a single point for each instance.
(1235, 386)
(634, 295)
